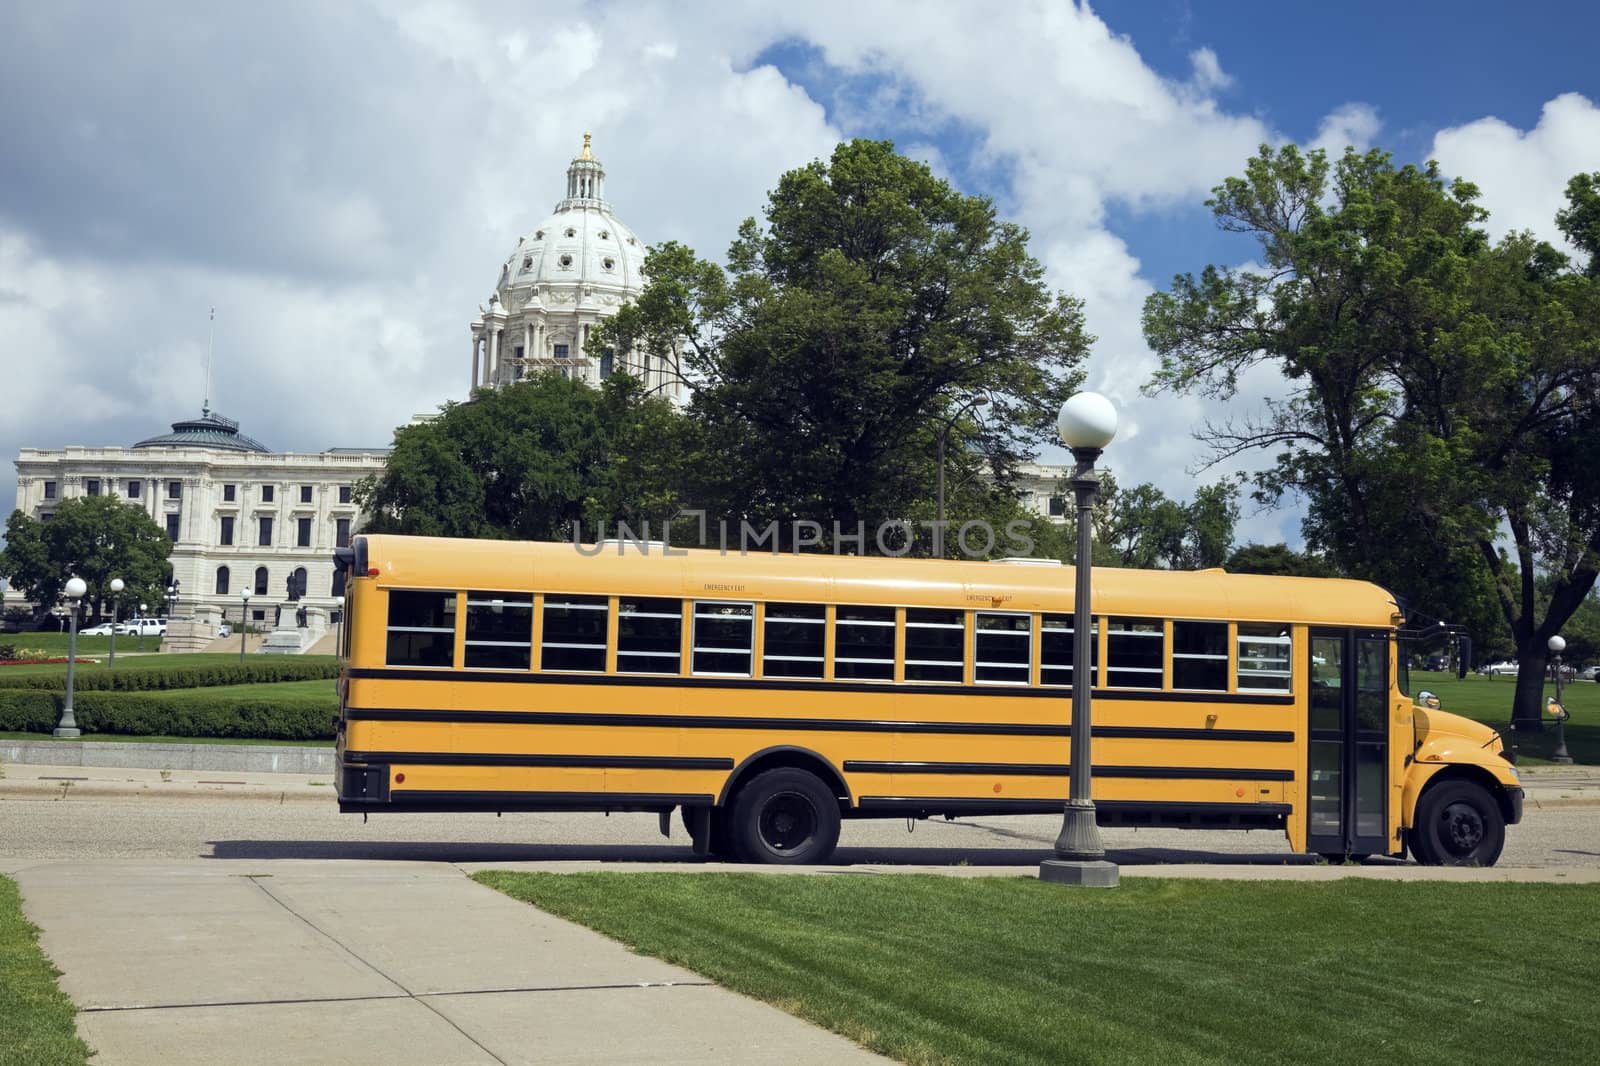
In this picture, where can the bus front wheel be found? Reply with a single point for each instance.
(1458, 824)
(785, 817)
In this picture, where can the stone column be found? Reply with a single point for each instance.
(494, 355)
(475, 369)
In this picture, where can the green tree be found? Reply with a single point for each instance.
(1442, 387)
(1278, 559)
(1142, 528)
(530, 460)
(96, 538)
(872, 305)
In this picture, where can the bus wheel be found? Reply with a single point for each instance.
(785, 816)
(1458, 824)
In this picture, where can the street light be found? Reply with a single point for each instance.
(244, 622)
(1557, 644)
(172, 600)
(944, 432)
(67, 728)
(116, 590)
(142, 609)
(1087, 423)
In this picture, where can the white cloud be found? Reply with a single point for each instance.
(1352, 125)
(1523, 174)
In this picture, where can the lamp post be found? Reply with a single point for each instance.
(1087, 423)
(244, 622)
(172, 600)
(142, 609)
(944, 433)
(67, 728)
(116, 590)
(1557, 644)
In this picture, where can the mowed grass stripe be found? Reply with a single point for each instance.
(934, 969)
(37, 1022)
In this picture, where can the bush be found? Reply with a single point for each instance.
(134, 678)
(176, 713)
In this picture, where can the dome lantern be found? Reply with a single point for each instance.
(586, 181)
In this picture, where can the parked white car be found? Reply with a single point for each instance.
(1502, 667)
(1589, 673)
(149, 627)
(104, 629)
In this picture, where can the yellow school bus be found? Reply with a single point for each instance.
(766, 697)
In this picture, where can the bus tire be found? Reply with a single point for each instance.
(1458, 824)
(784, 817)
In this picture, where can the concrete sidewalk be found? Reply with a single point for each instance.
(368, 962)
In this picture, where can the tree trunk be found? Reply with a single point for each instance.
(1527, 710)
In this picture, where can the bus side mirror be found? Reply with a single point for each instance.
(1463, 656)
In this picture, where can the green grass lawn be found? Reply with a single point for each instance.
(148, 662)
(37, 1026)
(1007, 970)
(1488, 700)
(55, 644)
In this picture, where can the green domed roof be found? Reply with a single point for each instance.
(207, 431)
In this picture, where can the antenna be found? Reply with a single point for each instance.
(211, 336)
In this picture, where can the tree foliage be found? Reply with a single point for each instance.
(1142, 528)
(530, 460)
(1442, 387)
(847, 331)
(96, 538)
(1278, 559)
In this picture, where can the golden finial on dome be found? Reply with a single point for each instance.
(586, 154)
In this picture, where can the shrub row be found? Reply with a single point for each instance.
(141, 677)
(173, 714)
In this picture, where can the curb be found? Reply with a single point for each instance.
(221, 758)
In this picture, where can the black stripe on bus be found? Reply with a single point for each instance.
(1013, 769)
(603, 762)
(403, 800)
(1107, 812)
(815, 725)
(803, 685)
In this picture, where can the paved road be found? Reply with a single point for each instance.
(256, 828)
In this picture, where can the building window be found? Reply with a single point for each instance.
(264, 535)
(133, 490)
(91, 487)
(863, 640)
(608, 263)
(723, 633)
(1058, 507)
(795, 639)
(48, 516)
(565, 261)
(227, 531)
(1200, 656)
(517, 353)
(341, 534)
(261, 581)
(172, 527)
(649, 635)
(499, 631)
(222, 581)
(49, 490)
(258, 615)
(422, 629)
(607, 361)
(305, 493)
(561, 351)
(266, 493)
(228, 493)
(344, 493)
(936, 643)
(574, 634)
(174, 490)
(302, 533)
(1003, 649)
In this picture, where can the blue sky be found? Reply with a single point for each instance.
(343, 182)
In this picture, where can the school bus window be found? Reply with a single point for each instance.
(1133, 653)
(1264, 656)
(1055, 649)
(1002, 649)
(863, 643)
(649, 635)
(936, 643)
(794, 640)
(499, 631)
(723, 634)
(422, 628)
(574, 634)
(1200, 656)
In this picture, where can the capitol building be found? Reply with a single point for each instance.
(249, 521)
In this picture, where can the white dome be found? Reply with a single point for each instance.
(576, 246)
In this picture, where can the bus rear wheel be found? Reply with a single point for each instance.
(784, 817)
(1458, 824)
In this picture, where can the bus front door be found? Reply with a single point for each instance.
(1348, 738)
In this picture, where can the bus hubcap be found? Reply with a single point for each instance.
(1463, 827)
(787, 822)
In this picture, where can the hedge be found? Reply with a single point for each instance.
(178, 714)
(252, 671)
